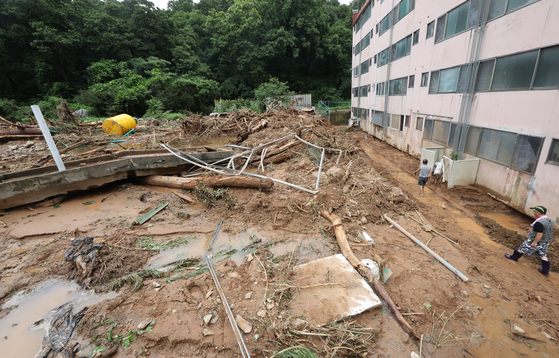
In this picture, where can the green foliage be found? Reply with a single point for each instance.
(151, 244)
(230, 105)
(295, 352)
(273, 91)
(211, 197)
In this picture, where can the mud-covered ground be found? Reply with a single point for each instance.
(156, 270)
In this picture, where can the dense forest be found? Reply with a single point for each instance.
(129, 56)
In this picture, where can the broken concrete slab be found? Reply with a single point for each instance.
(338, 291)
(35, 185)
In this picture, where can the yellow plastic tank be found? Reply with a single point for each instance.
(119, 125)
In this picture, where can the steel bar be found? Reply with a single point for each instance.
(320, 169)
(424, 247)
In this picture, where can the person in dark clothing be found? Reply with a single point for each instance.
(424, 175)
(540, 236)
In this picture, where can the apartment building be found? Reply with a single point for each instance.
(477, 78)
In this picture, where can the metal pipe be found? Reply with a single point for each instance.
(238, 336)
(46, 133)
(246, 163)
(424, 247)
(320, 169)
(215, 236)
(236, 146)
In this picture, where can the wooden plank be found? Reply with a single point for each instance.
(149, 215)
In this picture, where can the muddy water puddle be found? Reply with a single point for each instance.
(304, 249)
(23, 329)
(510, 222)
(198, 246)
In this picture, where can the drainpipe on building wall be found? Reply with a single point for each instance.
(461, 132)
(387, 85)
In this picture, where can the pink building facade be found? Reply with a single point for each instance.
(479, 78)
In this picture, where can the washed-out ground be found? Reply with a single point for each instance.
(266, 233)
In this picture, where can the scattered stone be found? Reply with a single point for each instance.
(270, 305)
(345, 189)
(539, 298)
(209, 294)
(299, 324)
(174, 311)
(147, 322)
(233, 274)
(218, 301)
(232, 306)
(158, 289)
(261, 313)
(156, 284)
(29, 144)
(199, 306)
(363, 220)
(517, 329)
(248, 296)
(464, 294)
(486, 287)
(207, 319)
(547, 336)
(335, 173)
(442, 206)
(415, 355)
(207, 332)
(244, 325)
(215, 318)
(256, 337)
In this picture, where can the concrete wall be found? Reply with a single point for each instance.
(533, 112)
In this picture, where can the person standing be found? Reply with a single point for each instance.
(424, 175)
(540, 236)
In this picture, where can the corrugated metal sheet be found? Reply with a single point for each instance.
(302, 101)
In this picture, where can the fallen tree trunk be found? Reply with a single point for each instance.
(23, 131)
(354, 261)
(211, 182)
(90, 124)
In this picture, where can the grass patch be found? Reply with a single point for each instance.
(295, 352)
(211, 197)
(151, 244)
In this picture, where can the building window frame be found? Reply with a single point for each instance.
(550, 153)
(419, 123)
(430, 30)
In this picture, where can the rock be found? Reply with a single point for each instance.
(156, 284)
(12, 147)
(335, 173)
(29, 144)
(248, 296)
(158, 289)
(207, 332)
(215, 318)
(428, 228)
(256, 336)
(261, 313)
(249, 257)
(539, 298)
(147, 322)
(486, 287)
(464, 294)
(415, 355)
(270, 305)
(517, 329)
(207, 319)
(218, 301)
(363, 220)
(244, 325)
(209, 294)
(442, 206)
(174, 311)
(299, 324)
(547, 336)
(199, 306)
(345, 189)
(232, 306)
(233, 274)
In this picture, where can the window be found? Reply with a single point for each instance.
(463, 79)
(434, 85)
(386, 23)
(439, 33)
(453, 127)
(484, 76)
(419, 123)
(365, 67)
(375, 59)
(497, 146)
(457, 20)
(441, 130)
(472, 140)
(424, 79)
(428, 130)
(526, 153)
(403, 8)
(395, 121)
(354, 112)
(411, 82)
(377, 118)
(496, 8)
(355, 91)
(514, 72)
(382, 58)
(474, 16)
(553, 156)
(366, 41)
(515, 4)
(363, 90)
(547, 74)
(448, 81)
(398, 86)
(407, 121)
(403, 48)
(430, 29)
(415, 37)
(357, 48)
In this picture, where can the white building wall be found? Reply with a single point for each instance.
(534, 112)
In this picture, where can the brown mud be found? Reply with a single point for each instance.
(273, 231)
